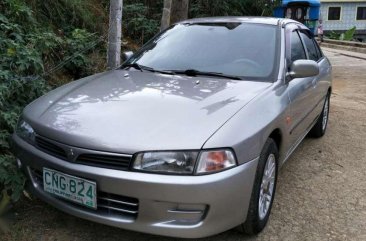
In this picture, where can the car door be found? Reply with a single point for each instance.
(301, 90)
(314, 53)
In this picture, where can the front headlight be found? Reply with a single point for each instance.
(181, 162)
(25, 131)
(184, 162)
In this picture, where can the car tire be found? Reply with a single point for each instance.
(321, 124)
(256, 217)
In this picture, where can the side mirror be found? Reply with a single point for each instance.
(303, 68)
(127, 55)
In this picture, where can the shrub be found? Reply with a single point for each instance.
(29, 53)
(20, 62)
(137, 25)
(346, 36)
(206, 8)
(79, 64)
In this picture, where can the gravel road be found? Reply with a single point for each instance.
(321, 191)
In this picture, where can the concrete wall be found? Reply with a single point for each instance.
(348, 16)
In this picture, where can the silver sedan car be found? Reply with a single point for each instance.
(186, 138)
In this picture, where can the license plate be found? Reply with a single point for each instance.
(69, 187)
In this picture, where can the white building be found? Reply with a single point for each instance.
(339, 16)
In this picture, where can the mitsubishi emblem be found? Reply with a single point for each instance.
(70, 154)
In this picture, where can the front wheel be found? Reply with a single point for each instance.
(263, 190)
(320, 126)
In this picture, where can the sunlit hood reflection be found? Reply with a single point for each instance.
(129, 111)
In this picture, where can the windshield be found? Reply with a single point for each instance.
(233, 49)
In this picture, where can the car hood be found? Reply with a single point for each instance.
(130, 111)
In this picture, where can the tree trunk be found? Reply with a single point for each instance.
(174, 11)
(179, 10)
(114, 34)
(165, 19)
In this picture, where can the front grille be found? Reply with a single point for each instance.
(83, 156)
(50, 148)
(108, 204)
(106, 161)
(117, 204)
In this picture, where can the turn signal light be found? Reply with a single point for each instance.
(215, 160)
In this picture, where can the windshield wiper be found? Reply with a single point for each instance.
(142, 68)
(194, 72)
(159, 71)
(132, 65)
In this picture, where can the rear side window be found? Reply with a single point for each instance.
(310, 46)
(320, 54)
(297, 50)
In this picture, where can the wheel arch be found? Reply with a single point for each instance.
(276, 136)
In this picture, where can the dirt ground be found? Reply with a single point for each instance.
(321, 191)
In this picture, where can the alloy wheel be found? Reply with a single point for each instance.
(325, 114)
(267, 186)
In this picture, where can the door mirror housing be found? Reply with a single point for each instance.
(303, 68)
(127, 55)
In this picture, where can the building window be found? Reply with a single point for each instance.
(361, 13)
(334, 13)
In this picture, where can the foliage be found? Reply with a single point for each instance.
(21, 59)
(10, 177)
(346, 36)
(333, 35)
(206, 8)
(31, 52)
(141, 21)
(64, 15)
(79, 64)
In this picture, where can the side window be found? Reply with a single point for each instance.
(320, 54)
(310, 46)
(297, 50)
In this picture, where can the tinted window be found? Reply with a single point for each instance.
(310, 47)
(361, 13)
(297, 50)
(240, 49)
(334, 13)
(320, 54)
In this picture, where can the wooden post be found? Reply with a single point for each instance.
(114, 34)
(179, 10)
(174, 11)
(165, 19)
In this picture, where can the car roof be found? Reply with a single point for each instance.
(228, 19)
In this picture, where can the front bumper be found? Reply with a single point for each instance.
(176, 206)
